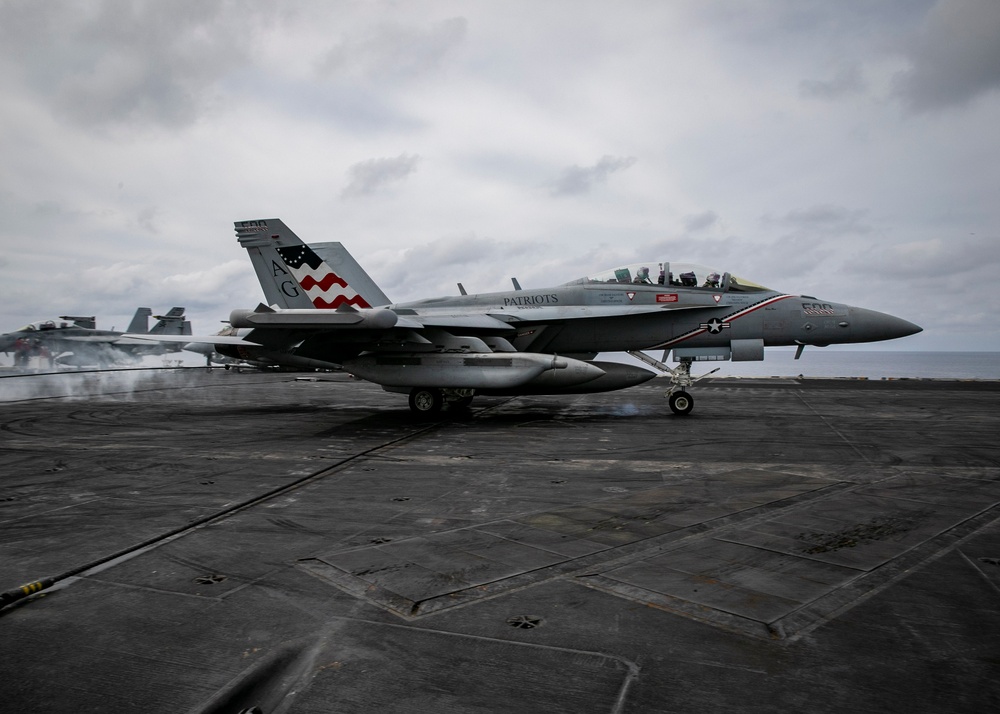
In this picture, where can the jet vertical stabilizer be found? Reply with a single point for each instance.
(140, 321)
(173, 323)
(294, 275)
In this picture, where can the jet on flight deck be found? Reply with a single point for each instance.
(74, 340)
(324, 311)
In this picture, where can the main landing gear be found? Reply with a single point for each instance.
(431, 400)
(681, 403)
(426, 400)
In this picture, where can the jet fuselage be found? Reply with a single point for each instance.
(596, 317)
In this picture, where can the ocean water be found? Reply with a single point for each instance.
(818, 362)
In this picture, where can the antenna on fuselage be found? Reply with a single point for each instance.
(517, 285)
(461, 289)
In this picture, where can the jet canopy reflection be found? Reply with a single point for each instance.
(686, 275)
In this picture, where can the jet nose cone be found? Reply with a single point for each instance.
(872, 326)
(905, 328)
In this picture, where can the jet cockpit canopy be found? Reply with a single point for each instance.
(689, 275)
(62, 322)
(42, 325)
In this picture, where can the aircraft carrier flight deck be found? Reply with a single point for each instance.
(210, 541)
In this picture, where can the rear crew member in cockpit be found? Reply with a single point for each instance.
(642, 276)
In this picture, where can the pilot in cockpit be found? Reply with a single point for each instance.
(642, 276)
(712, 281)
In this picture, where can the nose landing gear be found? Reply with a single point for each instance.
(681, 403)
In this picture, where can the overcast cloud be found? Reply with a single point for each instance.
(367, 177)
(954, 57)
(845, 150)
(580, 179)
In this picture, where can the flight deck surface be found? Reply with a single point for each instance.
(302, 543)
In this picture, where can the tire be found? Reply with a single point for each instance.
(426, 400)
(681, 403)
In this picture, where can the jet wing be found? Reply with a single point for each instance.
(385, 319)
(269, 320)
(123, 340)
(88, 339)
(138, 339)
(201, 339)
(501, 319)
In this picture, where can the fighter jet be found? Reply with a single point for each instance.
(73, 340)
(325, 311)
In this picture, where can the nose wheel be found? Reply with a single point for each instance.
(681, 403)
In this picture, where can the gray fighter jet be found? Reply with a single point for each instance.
(325, 311)
(73, 340)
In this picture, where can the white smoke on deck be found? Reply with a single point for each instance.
(119, 383)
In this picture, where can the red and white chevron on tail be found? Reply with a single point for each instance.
(325, 288)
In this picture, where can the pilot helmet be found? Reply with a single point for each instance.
(714, 277)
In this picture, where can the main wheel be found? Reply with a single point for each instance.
(426, 400)
(681, 403)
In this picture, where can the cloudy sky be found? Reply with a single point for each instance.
(848, 150)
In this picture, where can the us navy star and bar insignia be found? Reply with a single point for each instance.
(715, 326)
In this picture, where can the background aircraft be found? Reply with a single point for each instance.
(326, 312)
(207, 350)
(74, 340)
